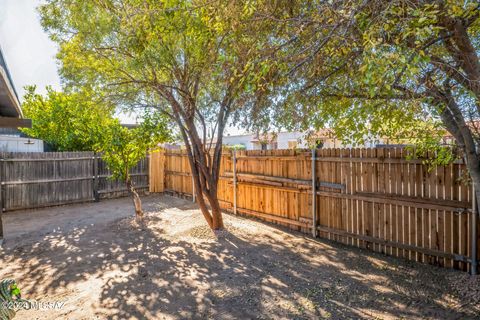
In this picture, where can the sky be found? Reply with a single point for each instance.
(30, 54)
(28, 51)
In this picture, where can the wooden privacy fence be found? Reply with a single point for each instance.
(33, 180)
(369, 198)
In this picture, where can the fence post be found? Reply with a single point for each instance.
(193, 180)
(148, 170)
(314, 193)
(2, 178)
(164, 167)
(474, 263)
(95, 177)
(234, 181)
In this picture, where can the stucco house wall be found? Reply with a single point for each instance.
(245, 140)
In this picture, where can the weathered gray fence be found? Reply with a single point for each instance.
(34, 180)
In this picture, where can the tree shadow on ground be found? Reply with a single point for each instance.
(143, 272)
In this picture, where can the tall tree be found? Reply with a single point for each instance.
(195, 61)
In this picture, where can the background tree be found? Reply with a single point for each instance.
(123, 148)
(67, 121)
(195, 61)
(81, 120)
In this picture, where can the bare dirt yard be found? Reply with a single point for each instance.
(97, 260)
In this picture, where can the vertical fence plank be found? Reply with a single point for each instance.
(314, 193)
(455, 216)
(440, 233)
(463, 223)
(448, 226)
(157, 171)
(347, 181)
(357, 180)
(95, 177)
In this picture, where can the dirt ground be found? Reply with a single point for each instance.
(97, 260)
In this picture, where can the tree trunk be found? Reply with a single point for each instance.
(203, 206)
(135, 197)
(214, 215)
(217, 219)
(205, 167)
(205, 171)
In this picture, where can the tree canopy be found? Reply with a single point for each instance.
(195, 61)
(67, 121)
(366, 69)
(122, 148)
(401, 69)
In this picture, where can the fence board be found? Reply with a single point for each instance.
(371, 198)
(34, 180)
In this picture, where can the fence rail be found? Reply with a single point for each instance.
(370, 198)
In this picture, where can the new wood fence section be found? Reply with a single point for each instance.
(33, 180)
(369, 198)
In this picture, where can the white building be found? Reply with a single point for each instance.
(286, 140)
(281, 140)
(12, 140)
(11, 117)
